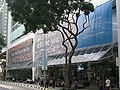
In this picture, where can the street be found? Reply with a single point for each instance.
(14, 87)
(7, 86)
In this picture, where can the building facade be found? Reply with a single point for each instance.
(3, 18)
(97, 47)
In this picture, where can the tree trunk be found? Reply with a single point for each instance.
(68, 78)
(68, 70)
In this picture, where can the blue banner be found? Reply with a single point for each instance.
(100, 30)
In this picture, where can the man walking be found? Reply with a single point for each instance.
(107, 83)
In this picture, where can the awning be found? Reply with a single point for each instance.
(82, 55)
(23, 64)
(18, 65)
(34, 64)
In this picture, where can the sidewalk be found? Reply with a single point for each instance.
(91, 87)
(88, 88)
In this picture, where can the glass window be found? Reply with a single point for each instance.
(105, 48)
(82, 52)
(90, 50)
(97, 50)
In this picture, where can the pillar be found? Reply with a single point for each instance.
(8, 39)
(33, 68)
(118, 32)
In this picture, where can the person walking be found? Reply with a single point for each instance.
(107, 83)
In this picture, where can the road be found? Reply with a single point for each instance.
(14, 87)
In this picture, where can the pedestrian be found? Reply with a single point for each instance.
(101, 84)
(50, 82)
(13, 79)
(107, 83)
(62, 83)
(42, 80)
(53, 83)
(97, 83)
(74, 84)
(46, 82)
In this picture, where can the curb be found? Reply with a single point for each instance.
(26, 85)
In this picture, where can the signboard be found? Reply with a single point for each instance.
(100, 30)
(52, 42)
(21, 52)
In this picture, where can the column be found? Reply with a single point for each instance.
(33, 68)
(8, 38)
(118, 32)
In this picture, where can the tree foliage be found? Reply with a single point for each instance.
(45, 14)
(54, 15)
(2, 42)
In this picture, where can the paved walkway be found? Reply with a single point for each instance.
(91, 87)
(88, 88)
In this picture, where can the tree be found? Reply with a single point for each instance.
(3, 63)
(53, 15)
(2, 43)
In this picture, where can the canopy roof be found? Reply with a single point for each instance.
(82, 55)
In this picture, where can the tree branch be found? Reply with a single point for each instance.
(68, 38)
(73, 18)
(63, 43)
(76, 22)
(84, 24)
(26, 3)
(67, 30)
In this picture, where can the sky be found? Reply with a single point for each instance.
(97, 2)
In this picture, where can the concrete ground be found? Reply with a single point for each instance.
(91, 87)
(88, 88)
